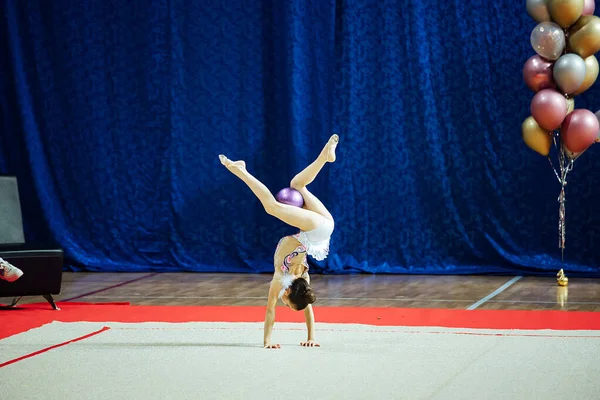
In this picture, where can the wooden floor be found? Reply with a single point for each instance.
(404, 291)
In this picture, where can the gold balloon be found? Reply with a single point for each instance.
(581, 22)
(565, 12)
(591, 74)
(570, 105)
(536, 137)
(584, 36)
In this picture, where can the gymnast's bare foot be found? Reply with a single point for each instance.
(329, 149)
(234, 166)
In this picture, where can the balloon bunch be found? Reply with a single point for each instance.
(566, 38)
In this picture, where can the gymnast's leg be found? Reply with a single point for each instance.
(308, 175)
(300, 218)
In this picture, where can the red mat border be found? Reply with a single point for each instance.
(35, 353)
(31, 316)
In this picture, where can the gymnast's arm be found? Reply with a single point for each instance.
(309, 316)
(270, 316)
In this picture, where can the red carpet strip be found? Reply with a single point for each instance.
(26, 317)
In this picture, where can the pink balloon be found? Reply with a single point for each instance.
(597, 114)
(549, 108)
(537, 74)
(579, 130)
(589, 6)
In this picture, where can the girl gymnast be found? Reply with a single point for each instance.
(291, 282)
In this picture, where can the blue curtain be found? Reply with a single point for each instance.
(114, 113)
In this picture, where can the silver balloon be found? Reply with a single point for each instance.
(569, 72)
(548, 40)
(538, 10)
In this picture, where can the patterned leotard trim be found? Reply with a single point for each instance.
(286, 280)
(287, 261)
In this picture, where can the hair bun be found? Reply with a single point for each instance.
(310, 296)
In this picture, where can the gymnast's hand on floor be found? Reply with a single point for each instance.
(272, 346)
(310, 343)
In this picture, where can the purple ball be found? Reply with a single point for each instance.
(291, 197)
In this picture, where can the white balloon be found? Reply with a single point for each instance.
(548, 40)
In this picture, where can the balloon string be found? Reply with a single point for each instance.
(566, 166)
(555, 134)
(562, 220)
(554, 169)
